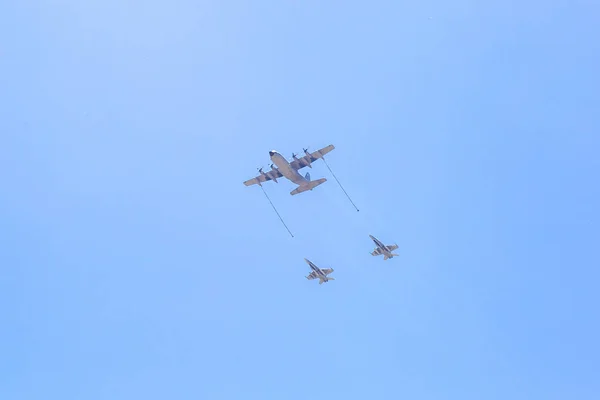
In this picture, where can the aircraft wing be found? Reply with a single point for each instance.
(312, 275)
(377, 252)
(314, 156)
(392, 247)
(263, 178)
(327, 271)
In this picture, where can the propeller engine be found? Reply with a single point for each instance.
(268, 174)
(274, 174)
(308, 157)
(260, 170)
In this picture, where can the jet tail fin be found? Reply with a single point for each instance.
(310, 186)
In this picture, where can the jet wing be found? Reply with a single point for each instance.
(263, 178)
(314, 156)
(327, 271)
(377, 252)
(312, 275)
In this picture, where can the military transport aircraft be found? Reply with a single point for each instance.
(383, 249)
(289, 170)
(319, 273)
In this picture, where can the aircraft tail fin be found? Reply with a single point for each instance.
(310, 186)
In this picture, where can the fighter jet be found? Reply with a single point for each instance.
(289, 170)
(383, 249)
(319, 273)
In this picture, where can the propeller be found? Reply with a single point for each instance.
(309, 155)
(272, 174)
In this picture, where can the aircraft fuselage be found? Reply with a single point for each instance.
(286, 169)
(315, 268)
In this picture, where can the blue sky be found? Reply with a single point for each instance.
(135, 263)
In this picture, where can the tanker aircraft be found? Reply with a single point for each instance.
(289, 170)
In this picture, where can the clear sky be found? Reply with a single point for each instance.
(136, 265)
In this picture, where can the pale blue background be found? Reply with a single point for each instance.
(136, 265)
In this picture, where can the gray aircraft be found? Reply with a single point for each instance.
(319, 273)
(289, 170)
(383, 249)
